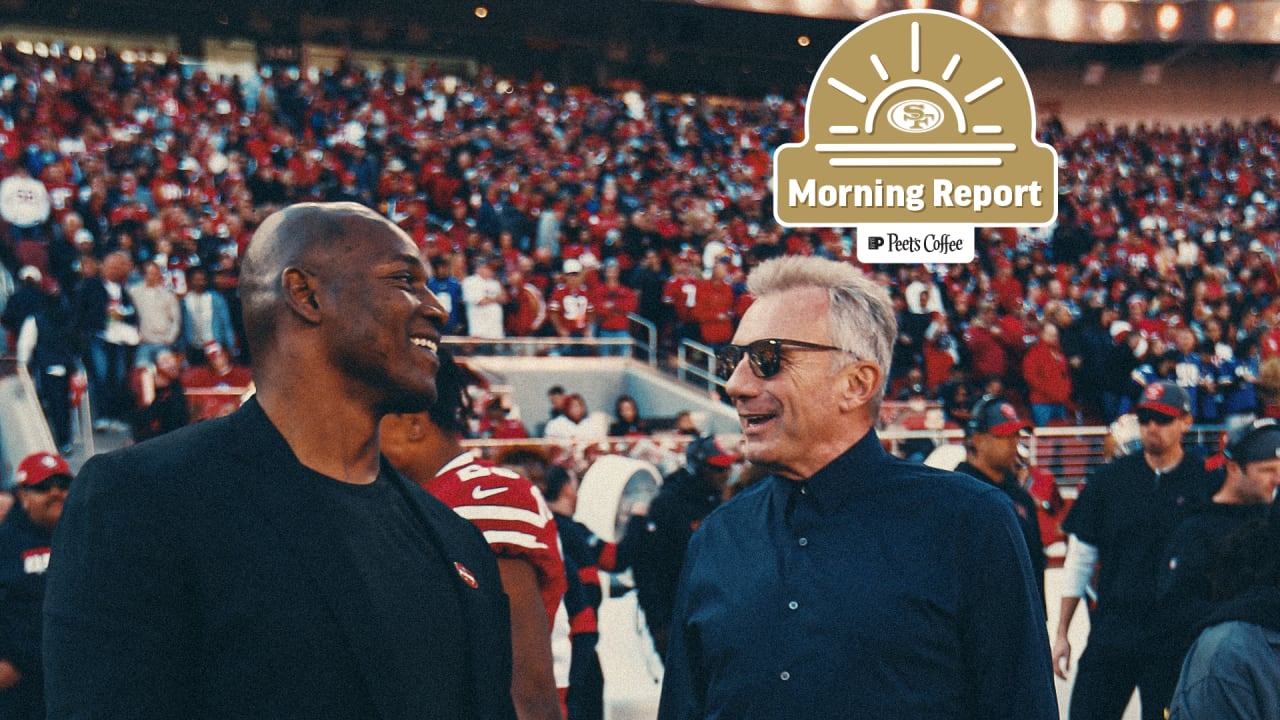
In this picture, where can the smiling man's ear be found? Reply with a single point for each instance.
(859, 383)
(299, 290)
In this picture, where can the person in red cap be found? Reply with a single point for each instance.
(991, 437)
(1122, 521)
(657, 543)
(26, 535)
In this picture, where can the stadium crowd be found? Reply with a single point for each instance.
(556, 211)
(129, 191)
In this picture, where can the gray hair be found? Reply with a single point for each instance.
(859, 311)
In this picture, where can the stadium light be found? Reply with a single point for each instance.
(1112, 20)
(970, 8)
(1168, 20)
(482, 12)
(864, 8)
(1224, 20)
(1020, 17)
(1063, 18)
(803, 41)
(918, 4)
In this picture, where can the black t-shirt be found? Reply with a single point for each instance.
(412, 591)
(1184, 588)
(1128, 513)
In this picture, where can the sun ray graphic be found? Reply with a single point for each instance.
(938, 100)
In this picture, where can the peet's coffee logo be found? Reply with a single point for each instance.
(919, 123)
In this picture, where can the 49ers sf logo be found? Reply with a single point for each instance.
(915, 116)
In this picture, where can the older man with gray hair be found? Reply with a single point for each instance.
(850, 582)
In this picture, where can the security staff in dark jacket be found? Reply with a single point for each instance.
(657, 543)
(993, 457)
(1122, 521)
(25, 538)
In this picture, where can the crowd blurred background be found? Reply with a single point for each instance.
(526, 197)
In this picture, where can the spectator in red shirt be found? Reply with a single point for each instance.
(570, 307)
(681, 294)
(613, 301)
(982, 338)
(1007, 288)
(526, 311)
(219, 386)
(1048, 378)
(497, 423)
(714, 311)
(940, 354)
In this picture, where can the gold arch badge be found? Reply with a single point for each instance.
(920, 126)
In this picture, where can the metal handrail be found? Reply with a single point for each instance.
(650, 344)
(704, 371)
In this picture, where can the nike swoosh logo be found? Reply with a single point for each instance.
(480, 493)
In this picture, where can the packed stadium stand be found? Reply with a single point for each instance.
(556, 141)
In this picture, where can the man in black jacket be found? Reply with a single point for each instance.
(25, 537)
(272, 563)
(657, 543)
(109, 331)
(1185, 586)
(992, 438)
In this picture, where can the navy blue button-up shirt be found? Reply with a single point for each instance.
(877, 588)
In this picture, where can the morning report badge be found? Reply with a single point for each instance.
(920, 127)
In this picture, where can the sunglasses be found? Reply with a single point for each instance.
(62, 482)
(1146, 416)
(765, 356)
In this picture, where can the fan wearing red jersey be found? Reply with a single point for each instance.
(516, 523)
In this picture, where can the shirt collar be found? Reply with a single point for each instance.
(838, 482)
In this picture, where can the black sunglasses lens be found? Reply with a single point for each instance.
(727, 359)
(766, 359)
(1146, 417)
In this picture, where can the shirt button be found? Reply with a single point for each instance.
(793, 605)
(803, 542)
(785, 676)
